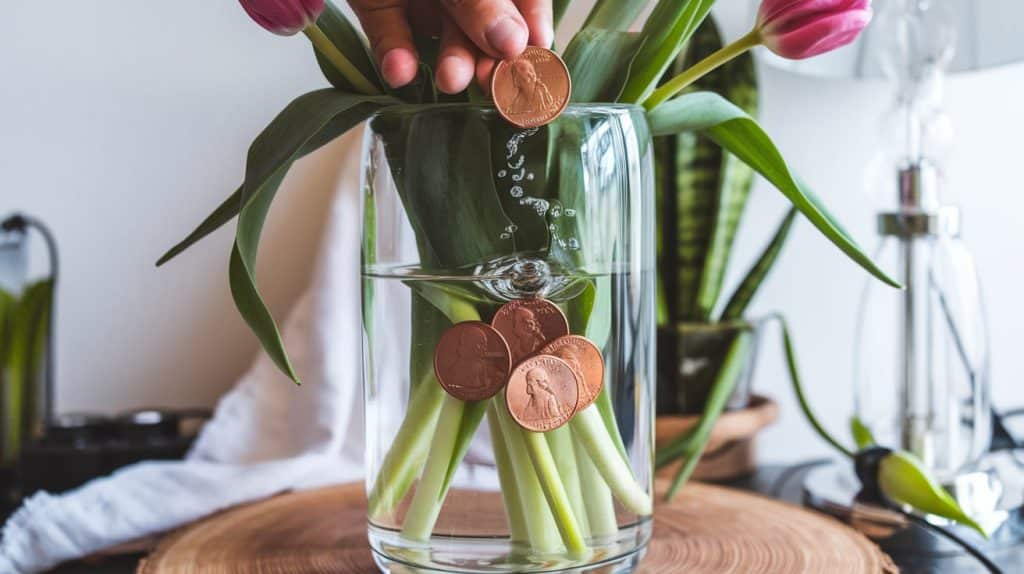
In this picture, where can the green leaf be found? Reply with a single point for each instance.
(711, 187)
(224, 213)
(735, 131)
(666, 31)
(231, 206)
(350, 42)
(599, 62)
(312, 119)
(458, 185)
(693, 444)
(558, 11)
(862, 435)
(905, 480)
(752, 281)
(798, 390)
(613, 15)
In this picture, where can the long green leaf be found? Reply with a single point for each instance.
(735, 131)
(693, 444)
(711, 187)
(350, 42)
(666, 31)
(599, 62)
(314, 117)
(741, 298)
(231, 206)
(224, 213)
(613, 15)
(798, 390)
(558, 11)
(904, 479)
(862, 435)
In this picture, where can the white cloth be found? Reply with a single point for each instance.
(267, 435)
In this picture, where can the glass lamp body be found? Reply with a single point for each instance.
(26, 306)
(921, 370)
(463, 213)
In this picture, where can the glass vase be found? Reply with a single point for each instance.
(488, 448)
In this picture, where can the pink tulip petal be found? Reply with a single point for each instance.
(799, 29)
(284, 17)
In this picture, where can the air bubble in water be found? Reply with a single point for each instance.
(516, 191)
(574, 244)
(556, 211)
(502, 173)
(570, 213)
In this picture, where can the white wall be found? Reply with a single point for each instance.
(123, 123)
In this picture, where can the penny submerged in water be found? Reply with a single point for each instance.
(542, 393)
(586, 361)
(472, 361)
(528, 325)
(531, 89)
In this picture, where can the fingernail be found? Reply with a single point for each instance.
(506, 36)
(396, 69)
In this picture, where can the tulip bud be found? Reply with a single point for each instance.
(284, 17)
(798, 29)
(904, 480)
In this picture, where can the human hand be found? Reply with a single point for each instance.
(473, 34)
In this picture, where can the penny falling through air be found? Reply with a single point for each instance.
(548, 375)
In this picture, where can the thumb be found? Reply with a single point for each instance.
(495, 26)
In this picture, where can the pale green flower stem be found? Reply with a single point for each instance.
(560, 442)
(335, 56)
(589, 429)
(701, 68)
(597, 497)
(554, 492)
(408, 450)
(431, 491)
(515, 513)
(542, 531)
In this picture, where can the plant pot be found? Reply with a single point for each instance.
(690, 357)
(730, 451)
(466, 217)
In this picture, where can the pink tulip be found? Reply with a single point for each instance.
(284, 17)
(798, 29)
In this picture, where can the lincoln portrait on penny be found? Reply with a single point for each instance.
(531, 94)
(543, 404)
(527, 331)
(471, 366)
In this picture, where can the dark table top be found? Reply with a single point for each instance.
(782, 482)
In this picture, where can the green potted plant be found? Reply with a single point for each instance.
(702, 196)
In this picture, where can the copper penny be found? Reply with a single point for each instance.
(586, 361)
(529, 324)
(531, 89)
(472, 361)
(542, 393)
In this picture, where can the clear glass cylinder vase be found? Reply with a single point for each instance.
(488, 250)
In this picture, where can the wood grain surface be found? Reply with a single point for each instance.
(706, 529)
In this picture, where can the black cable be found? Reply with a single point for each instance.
(953, 537)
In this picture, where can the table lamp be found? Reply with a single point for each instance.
(921, 373)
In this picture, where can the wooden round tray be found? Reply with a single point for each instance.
(706, 529)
